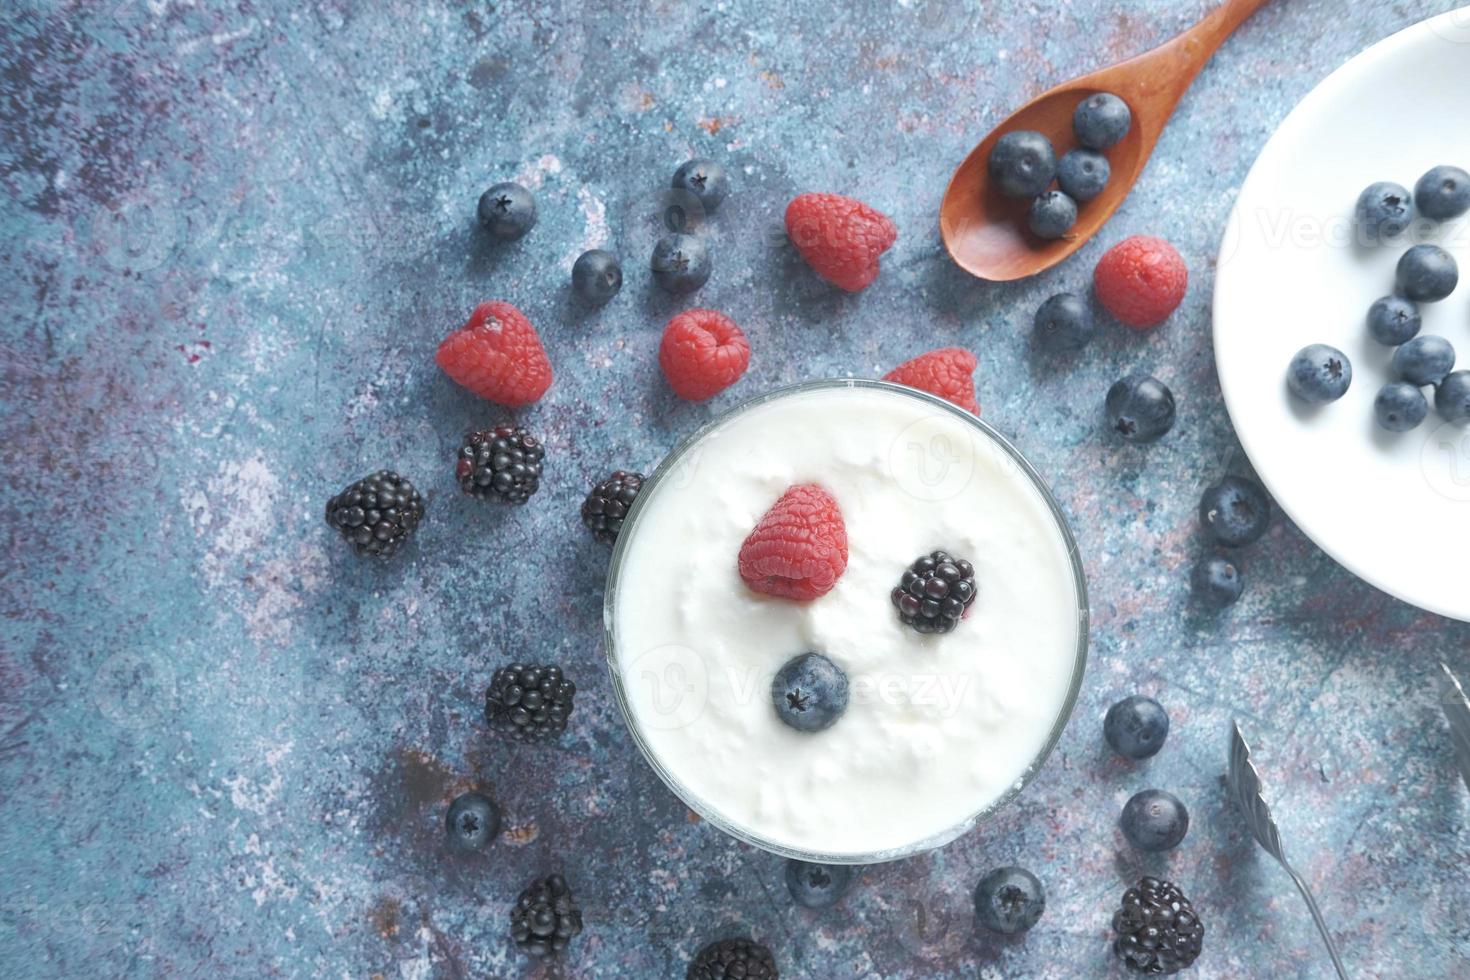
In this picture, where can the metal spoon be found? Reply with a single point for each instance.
(1245, 789)
(985, 232)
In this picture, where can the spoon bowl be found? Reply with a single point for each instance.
(985, 232)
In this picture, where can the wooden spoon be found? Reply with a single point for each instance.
(986, 232)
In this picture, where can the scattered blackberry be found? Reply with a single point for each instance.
(504, 461)
(935, 592)
(545, 917)
(733, 959)
(377, 513)
(529, 704)
(1158, 932)
(606, 506)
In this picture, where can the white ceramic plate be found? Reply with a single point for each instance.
(1394, 509)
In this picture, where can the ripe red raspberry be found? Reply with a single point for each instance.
(798, 550)
(703, 353)
(498, 356)
(840, 238)
(947, 372)
(1141, 280)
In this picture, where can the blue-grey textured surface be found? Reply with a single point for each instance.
(233, 235)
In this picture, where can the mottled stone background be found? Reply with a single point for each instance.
(234, 233)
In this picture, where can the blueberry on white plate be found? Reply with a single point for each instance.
(1393, 320)
(1400, 406)
(1427, 274)
(1319, 373)
(1452, 397)
(1443, 193)
(1384, 210)
(1424, 360)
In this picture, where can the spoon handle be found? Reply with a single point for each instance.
(1159, 78)
(1301, 886)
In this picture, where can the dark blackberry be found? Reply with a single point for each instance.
(377, 513)
(504, 461)
(606, 506)
(1158, 932)
(529, 704)
(733, 959)
(935, 593)
(545, 917)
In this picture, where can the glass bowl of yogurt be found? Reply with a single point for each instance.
(940, 731)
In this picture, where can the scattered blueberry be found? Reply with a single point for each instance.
(1101, 120)
(809, 692)
(1235, 511)
(1140, 408)
(1400, 406)
(1052, 215)
(1009, 900)
(1136, 727)
(1154, 820)
(705, 179)
(1064, 323)
(1083, 174)
(507, 211)
(1424, 360)
(680, 263)
(473, 821)
(1216, 581)
(1384, 210)
(1022, 164)
(1442, 193)
(596, 276)
(817, 886)
(1452, 397)
(1393, 320)
(1427, 274)
(1319, 373)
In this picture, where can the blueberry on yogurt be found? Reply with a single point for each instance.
(809, 693)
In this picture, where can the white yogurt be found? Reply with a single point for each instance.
(937, 727)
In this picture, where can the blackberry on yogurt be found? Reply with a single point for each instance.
(935, 592)
(504, 462)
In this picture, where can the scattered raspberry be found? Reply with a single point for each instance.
(703, 353)
(947, 372)
(1141, 280)
(498, 356)
(840, 238)
(799, 548)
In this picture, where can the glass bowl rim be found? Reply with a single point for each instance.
(707, 811)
